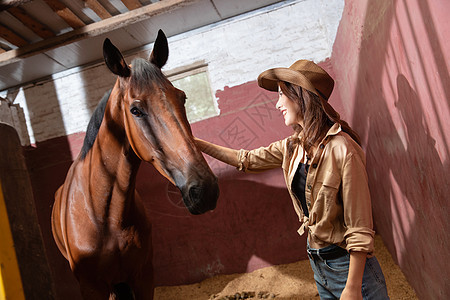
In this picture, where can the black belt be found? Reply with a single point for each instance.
(328, 254)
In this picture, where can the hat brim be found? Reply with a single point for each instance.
(269, 79)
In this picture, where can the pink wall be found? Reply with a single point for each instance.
(391, 61)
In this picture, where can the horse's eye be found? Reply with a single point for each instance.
(135, 111)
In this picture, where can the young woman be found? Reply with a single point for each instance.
(324, 169)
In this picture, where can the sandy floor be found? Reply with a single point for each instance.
(292, 281)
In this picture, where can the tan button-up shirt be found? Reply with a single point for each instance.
(336, 191)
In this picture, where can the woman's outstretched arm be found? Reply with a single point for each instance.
(224, 154)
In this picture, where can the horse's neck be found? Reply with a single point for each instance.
(112, 167)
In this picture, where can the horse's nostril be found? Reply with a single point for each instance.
(202, 198)
(195, 192)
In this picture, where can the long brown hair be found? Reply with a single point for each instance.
(318, 116)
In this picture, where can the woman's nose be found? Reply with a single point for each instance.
(278, 104)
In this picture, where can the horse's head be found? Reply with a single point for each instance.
(155, 123)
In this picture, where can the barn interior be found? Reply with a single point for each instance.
(390, 60)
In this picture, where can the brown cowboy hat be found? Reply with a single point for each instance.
(304, 73)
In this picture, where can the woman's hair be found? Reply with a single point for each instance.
(317, 117)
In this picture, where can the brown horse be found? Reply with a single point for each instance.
(99, 222)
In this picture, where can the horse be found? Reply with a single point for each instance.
(99, 222)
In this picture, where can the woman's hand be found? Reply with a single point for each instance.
(351, 293)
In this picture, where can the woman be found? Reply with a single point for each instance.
(324, 169)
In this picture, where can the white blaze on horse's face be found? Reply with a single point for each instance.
(157, 127)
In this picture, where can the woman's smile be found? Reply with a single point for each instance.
(288, 109)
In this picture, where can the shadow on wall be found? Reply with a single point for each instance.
(398, 102)
(252, 227)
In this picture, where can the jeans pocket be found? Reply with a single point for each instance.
(375, 270)
(374, 284)
(340, 264)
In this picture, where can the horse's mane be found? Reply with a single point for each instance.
(94, 125)
(144, 72)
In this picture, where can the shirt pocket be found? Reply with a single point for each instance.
(329, 187)
(330, 179)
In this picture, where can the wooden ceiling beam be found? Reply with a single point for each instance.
(5, 4)
(132, 4)
(12, 37)
(94, 29)
(65, 13)
(98, 9)
(34, 25)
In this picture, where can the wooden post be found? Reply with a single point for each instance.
(28, 271)
(10, 281)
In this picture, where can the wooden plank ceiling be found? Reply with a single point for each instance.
(28, 27)
(39, 38)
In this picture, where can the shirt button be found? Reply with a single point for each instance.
(322, 146)
(314, 166)
(309, 186)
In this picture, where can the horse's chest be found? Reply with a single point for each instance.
(96, 232)
(119, 248)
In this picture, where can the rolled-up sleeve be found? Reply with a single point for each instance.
(357, 205)
(261, 159)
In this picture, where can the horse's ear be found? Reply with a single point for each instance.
(114, 59)
(160, 51)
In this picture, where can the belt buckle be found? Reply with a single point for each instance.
(310, 255)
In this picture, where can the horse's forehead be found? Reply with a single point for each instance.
(153, 91)
(158, 87)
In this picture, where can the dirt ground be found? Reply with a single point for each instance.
(291, 281)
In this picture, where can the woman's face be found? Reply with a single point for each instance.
(288, 108)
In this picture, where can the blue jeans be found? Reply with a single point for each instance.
(331, 276)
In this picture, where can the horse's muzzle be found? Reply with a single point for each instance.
(200, 198)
